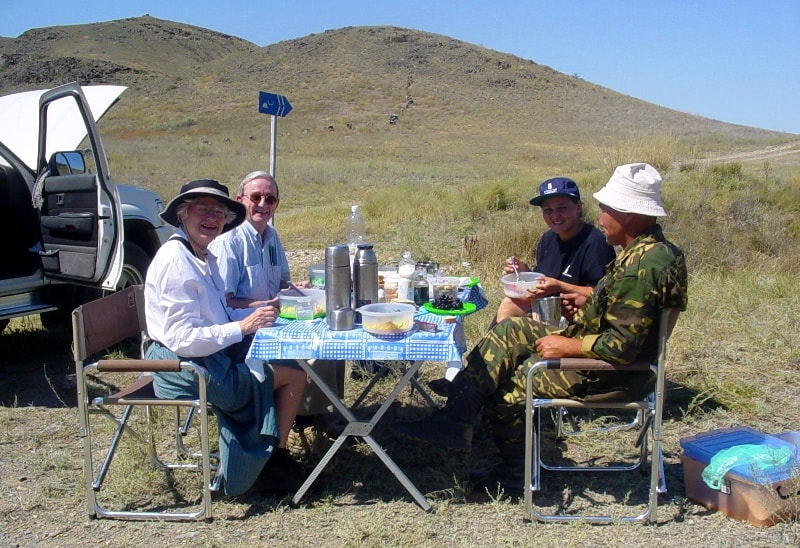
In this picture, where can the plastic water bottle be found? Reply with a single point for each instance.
(405, 277)
(354, 231)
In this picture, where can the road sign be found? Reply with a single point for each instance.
(271, 103)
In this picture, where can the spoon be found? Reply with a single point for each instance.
(514, 266)
(293, 287)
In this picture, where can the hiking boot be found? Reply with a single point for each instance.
(330, 424)
(510, 481)
(440, 387)
(507, 476)
(450, 427)
(281, 475)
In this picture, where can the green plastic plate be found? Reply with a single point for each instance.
(469, 308)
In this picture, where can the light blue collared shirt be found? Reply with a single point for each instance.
(251, 267)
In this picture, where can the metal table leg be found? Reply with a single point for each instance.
(362, 429)
(415, 385)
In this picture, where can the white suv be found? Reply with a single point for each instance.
(67, 231)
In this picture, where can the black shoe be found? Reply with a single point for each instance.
(330, 424)
(506, 477)
(301, 422)
(281, 475)
(499, 481)
(440, 387)
(362, 369)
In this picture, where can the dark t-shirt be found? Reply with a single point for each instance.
(579, 261)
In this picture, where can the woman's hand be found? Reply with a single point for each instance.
(544, 286)
(263, 316)
(513, 261)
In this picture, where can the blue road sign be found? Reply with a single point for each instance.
(270, 103)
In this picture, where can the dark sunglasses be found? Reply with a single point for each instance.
(256, 198)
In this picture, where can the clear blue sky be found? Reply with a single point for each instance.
(732, 60)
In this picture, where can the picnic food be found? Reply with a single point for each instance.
(387, 318)
(447, 302)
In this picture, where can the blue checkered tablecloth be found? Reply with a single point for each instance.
(289, 339)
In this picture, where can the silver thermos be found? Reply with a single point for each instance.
(337, 280)
(365, 275)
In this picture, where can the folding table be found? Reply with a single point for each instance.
(306, 341)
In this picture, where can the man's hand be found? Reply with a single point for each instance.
(558, 346)
(571, 302)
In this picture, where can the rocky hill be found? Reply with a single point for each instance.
(382, 91)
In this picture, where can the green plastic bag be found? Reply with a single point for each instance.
(759, 458)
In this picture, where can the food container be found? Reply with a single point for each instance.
(316, 276)
(518, 289)
(288, 302)
(430, 267)
(761, 496)
(387, 280)
(445, 285)
(387, 318)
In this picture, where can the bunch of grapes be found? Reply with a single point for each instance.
(447, 302)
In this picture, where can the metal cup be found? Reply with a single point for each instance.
(550, 311)
(341, 319)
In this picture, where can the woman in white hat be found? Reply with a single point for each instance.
(187, 316)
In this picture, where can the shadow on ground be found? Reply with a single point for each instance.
(37, 368)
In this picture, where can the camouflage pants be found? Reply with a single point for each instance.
(498, 367)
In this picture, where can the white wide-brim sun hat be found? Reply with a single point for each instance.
(633, 188)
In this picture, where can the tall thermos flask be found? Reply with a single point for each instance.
(365, 275)
(337, 279)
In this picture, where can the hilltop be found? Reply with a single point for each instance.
(359, 93)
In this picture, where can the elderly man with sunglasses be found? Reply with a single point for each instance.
(251, 258)
(253, 265)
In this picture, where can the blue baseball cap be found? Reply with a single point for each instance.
(557, 186)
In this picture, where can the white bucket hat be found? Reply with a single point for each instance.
(633, 188)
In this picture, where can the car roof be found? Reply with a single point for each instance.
(19, 121)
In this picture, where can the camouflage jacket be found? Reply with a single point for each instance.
(619, 321)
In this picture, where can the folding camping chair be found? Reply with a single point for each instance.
(98, 326)
(649, 418)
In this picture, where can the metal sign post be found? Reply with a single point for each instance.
(274, 105)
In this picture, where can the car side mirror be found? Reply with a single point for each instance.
(67, 163)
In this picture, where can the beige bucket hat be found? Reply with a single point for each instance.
(633, 188)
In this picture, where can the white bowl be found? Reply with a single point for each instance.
(519, 289)
(387, 318)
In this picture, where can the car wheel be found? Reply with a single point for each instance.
(135, 266)
(3, 325)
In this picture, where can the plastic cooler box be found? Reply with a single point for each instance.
(758, 496)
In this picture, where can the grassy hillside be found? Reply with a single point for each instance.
(460, 108)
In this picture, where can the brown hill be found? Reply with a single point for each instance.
(357, 92)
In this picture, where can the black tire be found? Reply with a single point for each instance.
(134, 267)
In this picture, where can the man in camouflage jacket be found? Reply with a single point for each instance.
(618, 323)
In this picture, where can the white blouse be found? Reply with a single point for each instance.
(185, 303)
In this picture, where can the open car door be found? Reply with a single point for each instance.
(79, 206)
